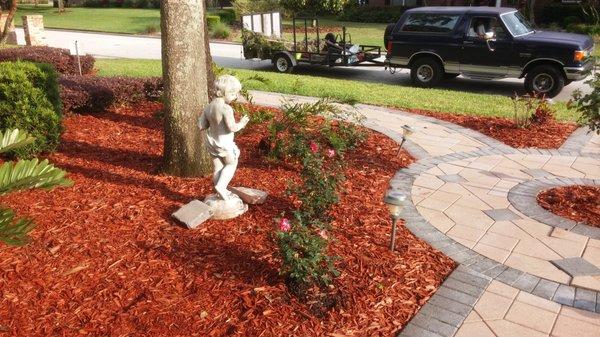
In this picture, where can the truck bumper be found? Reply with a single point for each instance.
(579, 73)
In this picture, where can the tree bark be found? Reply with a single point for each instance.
(531, 10)
(186, 61)
(11, 14)
(61, 6)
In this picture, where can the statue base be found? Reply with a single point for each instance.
(225, 209)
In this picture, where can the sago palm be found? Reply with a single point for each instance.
(22, 175)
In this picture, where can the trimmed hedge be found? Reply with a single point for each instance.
(29, 101)
(61, 59)
(227, 15)
(95, 94)
(356, 13)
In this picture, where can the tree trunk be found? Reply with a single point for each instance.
(11, 14)
(531, 10)
(186, 71)
(61, 6)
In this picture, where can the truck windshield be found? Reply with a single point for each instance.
(517, 24)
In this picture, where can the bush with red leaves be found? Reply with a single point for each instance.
(61, 59)
(81, 94)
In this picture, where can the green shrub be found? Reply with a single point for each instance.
(227, 15)
(220, 31)
(212, 20)
(310, 136)
(589, 104)
(562, 14)
(29, 102)
(583, 28)
(313, 7)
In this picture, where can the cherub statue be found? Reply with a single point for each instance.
(219, 121)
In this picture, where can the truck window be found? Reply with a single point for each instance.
(430, 23)
(484, 24)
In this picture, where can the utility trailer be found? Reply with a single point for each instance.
(334, 50)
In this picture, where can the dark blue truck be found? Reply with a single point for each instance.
(438, 43)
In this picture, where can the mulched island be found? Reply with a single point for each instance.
(548, 135)
(579, 203)
(108, 259)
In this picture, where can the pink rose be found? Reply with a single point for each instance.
(285, 225)
(330, 153)
(314, 147)
(323, 234)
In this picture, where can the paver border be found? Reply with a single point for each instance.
(524, 198)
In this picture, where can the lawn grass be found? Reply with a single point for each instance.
(111, 20)
(403, 97)
(138, 21)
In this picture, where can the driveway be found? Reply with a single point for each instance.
(230, 55)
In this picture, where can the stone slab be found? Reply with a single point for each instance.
(576, 266)
(193, 214)
(503, 214)
(250, 196)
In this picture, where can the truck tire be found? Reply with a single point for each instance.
(426, 72)
(545, 80)
(283, 63)
(388, 34)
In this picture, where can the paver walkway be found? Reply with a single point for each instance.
(522, 270)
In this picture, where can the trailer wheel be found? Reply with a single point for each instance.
(283, 64)
(426, 72)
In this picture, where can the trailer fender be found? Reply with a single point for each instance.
(286, 53)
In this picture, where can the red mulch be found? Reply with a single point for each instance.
(549, 135)
(578, 202)
(108, 259)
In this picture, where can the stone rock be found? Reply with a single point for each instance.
(194, 213)
(226, 209)
(250, 195)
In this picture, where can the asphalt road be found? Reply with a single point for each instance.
(230, 55)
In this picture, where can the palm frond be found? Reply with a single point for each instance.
(14, 232)
(14, 138)
(26, 174)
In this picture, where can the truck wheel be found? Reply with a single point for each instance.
(283, 64)
(544, 80)
(426, 72)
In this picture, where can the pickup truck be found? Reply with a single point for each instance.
(438, 43)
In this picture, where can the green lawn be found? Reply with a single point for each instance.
(112, 20)
(348, 91)
(137, 21)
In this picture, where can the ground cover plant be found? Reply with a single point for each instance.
(579, 203)
(109, 258)
(61, 59)
(589, 104)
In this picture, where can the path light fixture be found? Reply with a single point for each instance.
(407, 130)
(395, 202)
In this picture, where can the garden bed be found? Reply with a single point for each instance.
(578, 202)
(548, 135)
(108, 259)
